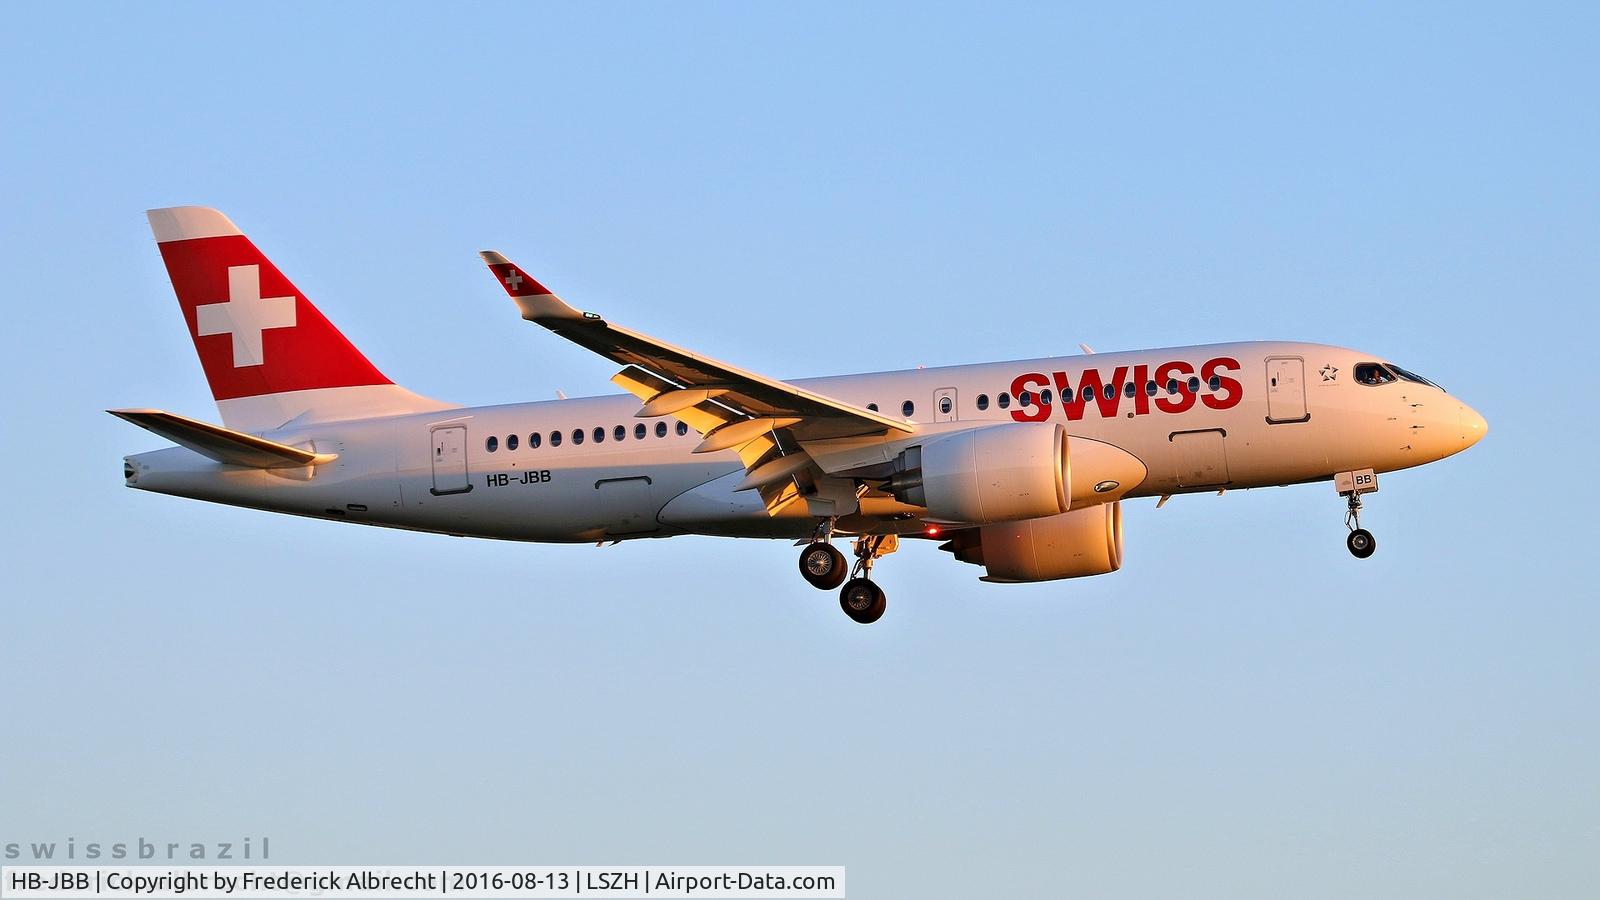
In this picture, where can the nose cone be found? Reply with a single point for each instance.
(1444, 427)
(1472, 426)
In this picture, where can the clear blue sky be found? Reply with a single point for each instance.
(1243, 711)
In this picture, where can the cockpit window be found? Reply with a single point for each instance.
(1412, 376)
(1373, 374)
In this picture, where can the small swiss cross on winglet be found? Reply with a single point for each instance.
(533, 299)
(514, 280)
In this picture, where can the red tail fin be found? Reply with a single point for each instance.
(258, 336)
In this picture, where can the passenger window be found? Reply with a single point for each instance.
(1004, 400)
(1372, 374)
(1129, 389)
(945, 406)
(983, 402)
(1215, 383)
(1150, 388)
(511, 442)
(683, 428)
(1110, 392)
(1087, 393)
(1194, 385)
(1046, 397)
(555, 438)
(872, 406)
(908, 409)
(661, 429)
(577, 435)
(1172, 385)
(1025, 399)
(533, 441)
(619, 432)
(599, 434)
(492, 444)
(639, 432)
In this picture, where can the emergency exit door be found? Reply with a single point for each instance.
(450, 460)
(1286, 390)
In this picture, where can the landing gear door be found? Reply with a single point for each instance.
(1286, 390)
(449, 454)
(1201, 457)
(624, 505)
(1361, 481)
(944, 405)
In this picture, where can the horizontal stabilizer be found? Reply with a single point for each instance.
(234, 448)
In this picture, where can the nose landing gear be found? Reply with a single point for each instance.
(1361, 543)
(1352, 485)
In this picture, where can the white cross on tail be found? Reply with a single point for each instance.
(515, 280)
(245, 315)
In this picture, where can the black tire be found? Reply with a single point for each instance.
(862, 601)
(1361, 543)
(823, 566)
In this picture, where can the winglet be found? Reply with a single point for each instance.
(535, 300)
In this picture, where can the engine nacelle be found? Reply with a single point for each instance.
(1082, 542)
(993, 473)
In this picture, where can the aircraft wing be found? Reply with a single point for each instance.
(683, 379)
(761, 418)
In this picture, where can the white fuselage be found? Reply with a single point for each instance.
(1298, 416)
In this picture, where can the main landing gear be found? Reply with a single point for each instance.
(823, 566)
(861, 599)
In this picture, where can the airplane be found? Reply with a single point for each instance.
(1019, 467)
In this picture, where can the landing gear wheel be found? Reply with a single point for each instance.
(862, 601)
(823, 566)
(1361, 543)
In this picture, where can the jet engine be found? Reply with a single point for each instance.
(1071, 545)
(995, 473)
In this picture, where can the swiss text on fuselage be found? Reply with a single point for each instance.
(1106, 396)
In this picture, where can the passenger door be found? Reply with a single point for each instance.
(449, 460)
(1286, 390)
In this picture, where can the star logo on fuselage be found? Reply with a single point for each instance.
(1329, 373)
